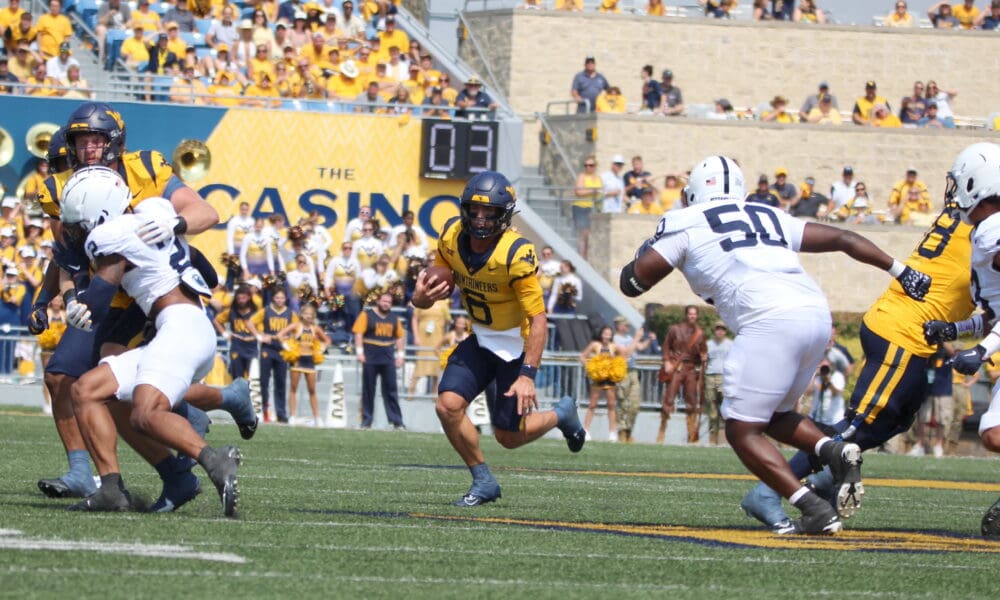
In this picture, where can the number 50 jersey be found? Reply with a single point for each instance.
(740, 257)
(499, 288)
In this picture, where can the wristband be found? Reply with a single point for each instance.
(897, 268)
(181, 226)
(69, 296)
(972, 326)
(528, 371)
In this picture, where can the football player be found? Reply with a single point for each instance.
(892, 384)
(494, 269)
(741, 257)
(974, 186)
(154, 377)
(95, 134)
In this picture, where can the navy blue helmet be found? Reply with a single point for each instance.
(492, 189)
(96, 117)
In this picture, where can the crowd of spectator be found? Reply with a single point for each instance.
(637, 191)
(37, 59)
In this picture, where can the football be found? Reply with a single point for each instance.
(436, 274)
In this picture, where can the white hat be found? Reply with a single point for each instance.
(618, 159)
(35, 223)
(7, 232)
(10, 271)
(9, 202)
(860, 202)
(349, 69)
(255, 282)
(27, 251)
(246, 24)
(47, 244)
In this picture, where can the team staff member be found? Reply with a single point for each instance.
(380, 340)
(95, 135)
(893, 381)
(495, 270)
(270, 321)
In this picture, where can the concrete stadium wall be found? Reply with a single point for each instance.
(534, 55)
(849, 286)
(879, 157)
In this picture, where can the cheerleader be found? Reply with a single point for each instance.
(49, 339)
(601, 346)
(242, 334)
(308, 341)
(302, 275)
(368, 248)
(255, 252)
(270, 322)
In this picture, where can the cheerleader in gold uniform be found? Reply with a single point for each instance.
(604, 361)
(306, 341)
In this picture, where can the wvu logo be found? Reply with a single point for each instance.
(480, 198)
(117, 118)
(529, 258)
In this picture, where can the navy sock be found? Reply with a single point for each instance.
(166, 467)
(481, 474)
(235, 405)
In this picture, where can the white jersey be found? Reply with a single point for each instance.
(985, 279)
(740, 257)
(156, 270)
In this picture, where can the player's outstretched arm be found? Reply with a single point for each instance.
(823, 238)
(648, 268)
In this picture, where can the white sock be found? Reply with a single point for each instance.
(820, 443)
(799, 493)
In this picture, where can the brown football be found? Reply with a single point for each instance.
(436, 274)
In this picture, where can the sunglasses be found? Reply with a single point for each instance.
(589, 165)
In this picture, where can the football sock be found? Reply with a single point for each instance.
(79, 475)
(481, 474)
(799, 493)
(819, 448)
(167, 467)
(113, 481)
(196, 417)
(240, 410)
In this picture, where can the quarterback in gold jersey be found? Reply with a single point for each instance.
(494, 269)
(893, 381)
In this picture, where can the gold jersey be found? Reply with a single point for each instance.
(499, 288)
(945, 253)
(146, 172)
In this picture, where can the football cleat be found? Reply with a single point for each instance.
(991, 522)
(221, 467)
(480, 493)
(569, 424)
(845, 464)
(61, 488)
(107, 499)
(177, 492)
(818, 518)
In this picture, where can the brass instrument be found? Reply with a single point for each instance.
(6, 147)
(38, 137)
(192, 160)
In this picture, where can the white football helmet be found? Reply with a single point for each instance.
(92, 196)
(715, 178)
(974, 176)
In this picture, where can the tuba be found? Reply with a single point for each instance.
(6, 147)
(192, 160)
(38, 137)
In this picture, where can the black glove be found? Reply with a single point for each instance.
(936, 332)
(967, 362)
(915, 283)
(38, 320)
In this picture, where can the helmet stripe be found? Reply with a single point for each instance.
(725, 175)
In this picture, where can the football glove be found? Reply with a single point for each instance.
(936, 332)
(160, 230)
(38, 320)
(78, 315)
(967, 362)
(915, 284)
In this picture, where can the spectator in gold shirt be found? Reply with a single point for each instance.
(647, 204)
(261, 93)
(53, 29)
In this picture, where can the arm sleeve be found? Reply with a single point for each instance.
(230, 236)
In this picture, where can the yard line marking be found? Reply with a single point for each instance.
(15, 542)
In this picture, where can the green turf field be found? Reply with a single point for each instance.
(362, 514)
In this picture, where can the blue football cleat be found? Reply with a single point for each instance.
(178, 491)
(479, 494)
(236, 397)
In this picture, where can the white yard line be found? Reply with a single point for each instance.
(13, 541)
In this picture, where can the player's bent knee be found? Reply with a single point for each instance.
(509, 439)
(450, 406)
